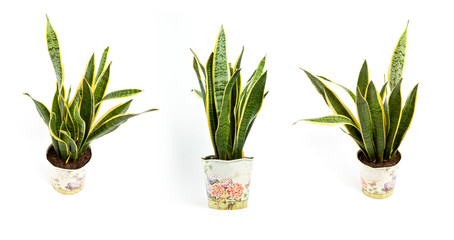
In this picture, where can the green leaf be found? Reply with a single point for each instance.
(63, 145)
(77, 97)
(102, 64)
(202, 88)
(198, 94)
(67, 97)
(257, 74)
(121, 94)
(54, 52)
(42, 110)
(212, 116)
(394, 111)
(383, 91)
(222, 135)
(100, 88)
(237, 87)
(80, 126)
(62, 152)
(221, 73)
(69, 122)
(339, 108)
(251, 82)
(112, 124)
(352, 95)
(396, 67)
(252, 104)
(117, 110)
(319, 86)
(90, 71)
(331, 120)
(238, 61)
(358, 141)
(406, 118)
(72, 145)
(241, 94)
(335, 104)
(378, 120)
(56, 109)
(363, 79)
(234, 103)
(253, 120)
(87, 107)
(366, 125)
(61, 102)
(200, 63)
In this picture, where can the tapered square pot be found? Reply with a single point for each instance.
(67, 181)
(378, 182)
(227, 182)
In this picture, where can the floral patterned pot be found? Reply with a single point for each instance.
(227, 182)
(67, 181)
(378, 183)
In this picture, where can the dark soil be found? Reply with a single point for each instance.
(386, 163)
(58, 162)
(212, 157)
(209, 157)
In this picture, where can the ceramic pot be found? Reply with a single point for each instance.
(378, 183)
(67, 181)
(227, 182)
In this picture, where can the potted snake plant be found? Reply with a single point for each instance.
(72, 121)
(381, 124)
(231, 112)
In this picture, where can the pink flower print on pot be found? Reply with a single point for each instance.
(389, 186)
(73, 185)
(378, 182)
(217, 190)
(364, 183)
(226, 182)
(235, 190)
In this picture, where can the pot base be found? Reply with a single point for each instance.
(223, 204)
(68, 192)
(378, 196)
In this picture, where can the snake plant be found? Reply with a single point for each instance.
(71, 122)
(231, 111)
(382, 122)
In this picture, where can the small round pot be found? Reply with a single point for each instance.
(227, 182)
(379, 182)
(67, 181)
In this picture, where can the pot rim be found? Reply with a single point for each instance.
(65, 169)
(226, 161)
(357, 157)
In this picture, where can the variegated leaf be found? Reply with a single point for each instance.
(42, 110)
(54, 52)
(221, 73)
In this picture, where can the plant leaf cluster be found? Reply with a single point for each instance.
(382, 122)
(230, 109)
(71, 122)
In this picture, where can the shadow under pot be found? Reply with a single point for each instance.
(67, 178)
(378, 180)
(227, 182)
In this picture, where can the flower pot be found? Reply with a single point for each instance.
(227, 182)
(68, 181)
(378, 182)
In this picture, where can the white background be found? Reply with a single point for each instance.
(145, 180)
